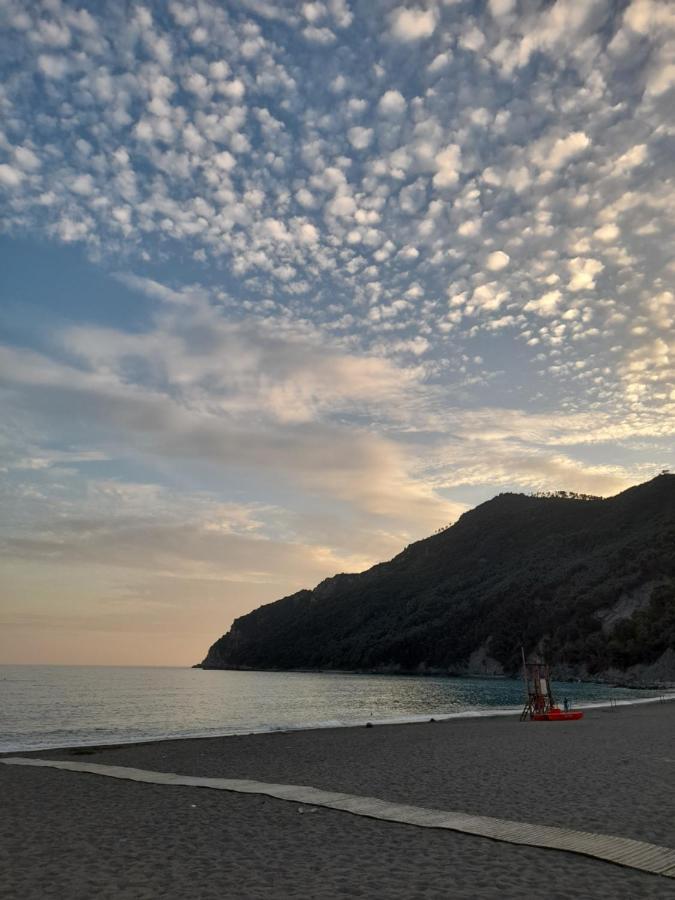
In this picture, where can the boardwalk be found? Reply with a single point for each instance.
(621, 851)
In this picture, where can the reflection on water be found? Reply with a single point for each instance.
(57, 706)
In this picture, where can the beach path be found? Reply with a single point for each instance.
(622, 851)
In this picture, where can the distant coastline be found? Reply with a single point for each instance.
(443, 673)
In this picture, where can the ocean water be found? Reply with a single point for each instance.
(67, 706)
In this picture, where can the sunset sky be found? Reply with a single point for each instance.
(285, 286)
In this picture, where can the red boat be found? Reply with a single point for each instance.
(557, 715)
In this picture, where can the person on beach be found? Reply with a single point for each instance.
(566, 704)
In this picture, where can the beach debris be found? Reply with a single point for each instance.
(369, 724)
(432, 719)
(308, 809)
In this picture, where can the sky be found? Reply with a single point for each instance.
(286, 286)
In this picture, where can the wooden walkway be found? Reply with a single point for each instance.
(622, 851)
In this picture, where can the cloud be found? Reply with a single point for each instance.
(412, 24)
(540, 470)
(607, 233)
(497, 260)
(472, 39)
(396, 224)
(439, 62)
(188, 550)
(489, 297)
(205, 382)
(10, 175)
(447, 166)
(501, 7)
(230, 156)
(323, 36)
(137, 559)
(53, 66)
(392, 103)
(546, 305)
(645, 16)
(360, 137)
(583, 273)
(561, 151)
(27, 159)
(661, 79)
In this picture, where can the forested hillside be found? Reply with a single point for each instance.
(587, 583)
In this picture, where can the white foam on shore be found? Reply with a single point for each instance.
(288, 727)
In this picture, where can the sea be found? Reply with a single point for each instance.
(45, 707)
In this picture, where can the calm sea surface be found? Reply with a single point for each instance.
(59, 706)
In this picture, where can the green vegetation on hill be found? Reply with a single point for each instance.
(588, 582)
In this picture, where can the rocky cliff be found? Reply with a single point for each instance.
(588, 583)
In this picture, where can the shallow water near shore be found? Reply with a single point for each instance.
(66, 706)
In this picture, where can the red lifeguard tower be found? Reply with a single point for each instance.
(540, 705)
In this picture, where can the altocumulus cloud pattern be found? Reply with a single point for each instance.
(391, 257)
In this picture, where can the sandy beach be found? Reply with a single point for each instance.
(77, 835)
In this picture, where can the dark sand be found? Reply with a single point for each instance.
(72, 835)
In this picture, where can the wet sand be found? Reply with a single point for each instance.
(81, 836)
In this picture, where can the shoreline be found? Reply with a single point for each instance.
(441, 673)
(466, 715)
(69, 833)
